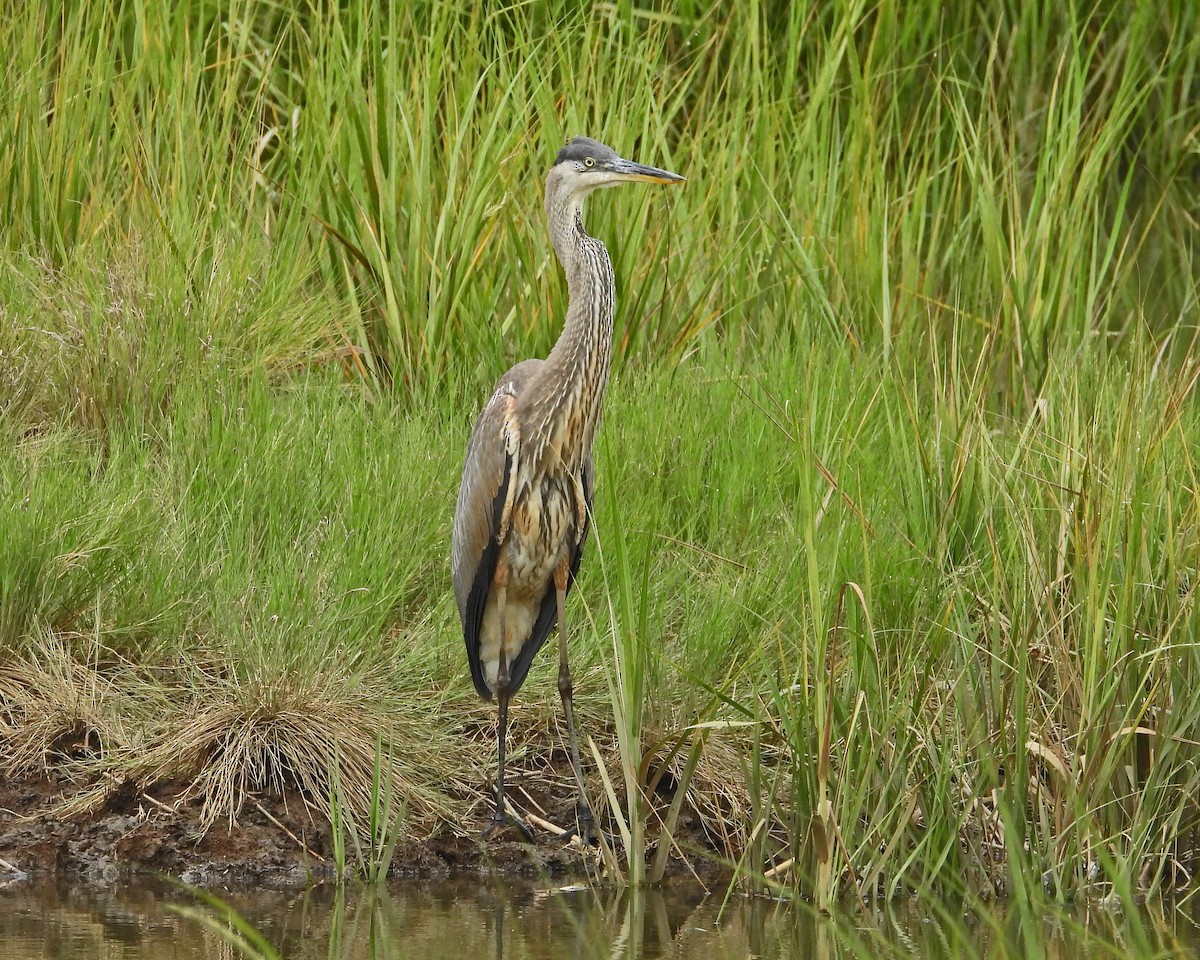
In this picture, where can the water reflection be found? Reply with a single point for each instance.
(489, 922)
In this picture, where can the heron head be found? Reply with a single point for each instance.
(584, 165)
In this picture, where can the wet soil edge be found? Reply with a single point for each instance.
(276, 841)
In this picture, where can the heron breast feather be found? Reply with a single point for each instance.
(542, 533)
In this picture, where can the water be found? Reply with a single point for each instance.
(472, 921)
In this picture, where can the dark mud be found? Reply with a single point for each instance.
(277, 841)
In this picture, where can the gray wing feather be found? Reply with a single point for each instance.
(485, 480)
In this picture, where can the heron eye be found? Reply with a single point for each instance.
(589, 162)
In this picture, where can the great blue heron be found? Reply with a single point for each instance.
(526, 494)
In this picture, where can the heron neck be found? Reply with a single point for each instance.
(576, 371)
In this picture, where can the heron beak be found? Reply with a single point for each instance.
(628, 170)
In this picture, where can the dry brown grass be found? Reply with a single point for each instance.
(57, 711)
(228, 740)
(106, 725)
(294, 735)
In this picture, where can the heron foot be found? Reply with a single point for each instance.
(503, 824)
(585, 825)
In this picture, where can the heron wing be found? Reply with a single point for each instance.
(548, 611)
(487, 474)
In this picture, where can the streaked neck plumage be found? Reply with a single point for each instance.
(575, 374)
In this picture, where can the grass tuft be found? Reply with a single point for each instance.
(56, 711)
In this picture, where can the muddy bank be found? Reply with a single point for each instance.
(278, 841)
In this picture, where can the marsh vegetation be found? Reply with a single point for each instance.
(893, 584)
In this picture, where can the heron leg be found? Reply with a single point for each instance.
(583, 813)
(501, 820)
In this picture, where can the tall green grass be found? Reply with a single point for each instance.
(894, 571)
